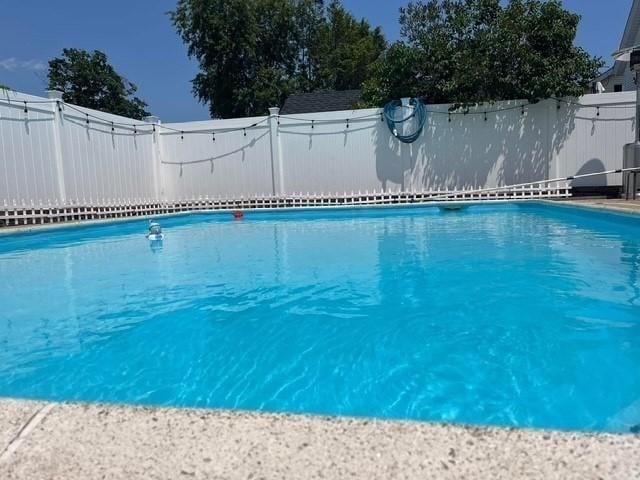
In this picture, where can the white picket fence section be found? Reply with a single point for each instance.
(62, 162)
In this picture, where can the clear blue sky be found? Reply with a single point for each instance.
(141, 43)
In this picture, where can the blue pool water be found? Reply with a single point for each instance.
(520, 315)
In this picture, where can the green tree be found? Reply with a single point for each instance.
(254, 53)
(87, 79)
(309, 23)
(471, 51)
(394, 75)
(244, 48)
(344, 48)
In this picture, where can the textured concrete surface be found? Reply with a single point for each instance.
(614, 205)
(93, 441)
(14, 415)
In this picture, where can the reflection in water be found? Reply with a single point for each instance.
(156, 245)
(631, 254)
(509, 316)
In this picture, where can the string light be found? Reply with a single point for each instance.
(61, 107)
(159, 126)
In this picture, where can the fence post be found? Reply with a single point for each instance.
(58, 124)
(553, 126)
(156, 155)
(277, 171)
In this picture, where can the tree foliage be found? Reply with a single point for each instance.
(254, 53)
(344, 48)
(471, 51)
(87, 79)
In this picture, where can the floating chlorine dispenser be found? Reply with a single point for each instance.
(155, 232)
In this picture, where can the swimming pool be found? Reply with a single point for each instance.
(516, 315)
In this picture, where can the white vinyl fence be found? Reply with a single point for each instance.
(54, 154)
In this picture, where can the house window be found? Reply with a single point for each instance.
(617, 88)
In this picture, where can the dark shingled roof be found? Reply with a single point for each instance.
(330, 101)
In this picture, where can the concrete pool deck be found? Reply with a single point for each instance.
(616, 205)
(75, 441)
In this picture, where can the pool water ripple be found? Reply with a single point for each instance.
(509, 315)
